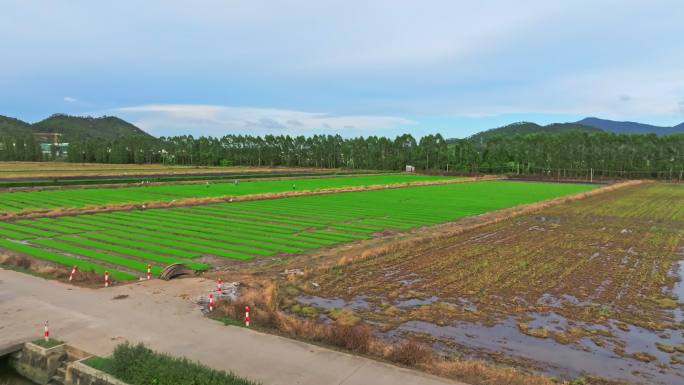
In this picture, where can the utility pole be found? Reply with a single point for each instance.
(591, 175)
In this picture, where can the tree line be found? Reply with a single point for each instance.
(20, 148)
(569, 153)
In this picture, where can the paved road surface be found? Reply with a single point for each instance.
(162, 315)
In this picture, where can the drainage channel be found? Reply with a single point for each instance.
(8, 376)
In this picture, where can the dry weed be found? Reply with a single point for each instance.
(410, 353)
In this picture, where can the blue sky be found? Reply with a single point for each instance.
(348, 67)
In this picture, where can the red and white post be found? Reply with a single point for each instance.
(211, 302)
(219, 285)
(46, 332)
(149, 272)
(73, 272)
(106, 279)
(247, 316)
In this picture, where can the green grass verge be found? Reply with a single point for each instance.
(51, 343)
(138, 365)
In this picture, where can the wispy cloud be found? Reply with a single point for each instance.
(70, 99)
(216, 120)
(370, 61)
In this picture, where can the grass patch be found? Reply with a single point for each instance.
(230, 321)
(100, 363)
(138, 365)
(667, 303)
(665, 347)
(304, 310)
(344, 316)
(51, 343)
(643, 356)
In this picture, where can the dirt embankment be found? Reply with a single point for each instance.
(45, 170)
(48, 270)
(220, 199)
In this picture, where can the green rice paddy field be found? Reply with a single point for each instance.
(75, 198)
(125, 242)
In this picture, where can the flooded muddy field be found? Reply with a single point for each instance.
(610, 349)
(588, 355)
(588, 287)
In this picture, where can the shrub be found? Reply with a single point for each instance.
(22, 262)
(138, 365)
(259, 314)
(356, 338)
(410, 353)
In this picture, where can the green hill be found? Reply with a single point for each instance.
(106, 127)
(13, 127)
(73, 127)
(531, 128)
(630, 127)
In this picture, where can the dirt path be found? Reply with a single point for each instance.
(162, 314)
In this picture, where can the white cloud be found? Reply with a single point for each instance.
(362, 62)
(622, 94)
(614, 93)
(216, 120)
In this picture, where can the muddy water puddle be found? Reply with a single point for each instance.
(608, 353)
(413, 302)
(581, 357)
(678, 291)
(611, 349)
(356, 303)
(613, 352)
(679, 286)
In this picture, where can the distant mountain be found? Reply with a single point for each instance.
(105, 127)
(72, 127)
(531, 128)
(13, 127)
(630, 127)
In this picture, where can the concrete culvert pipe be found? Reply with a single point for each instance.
(175, 270)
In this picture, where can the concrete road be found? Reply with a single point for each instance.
(162, 315)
